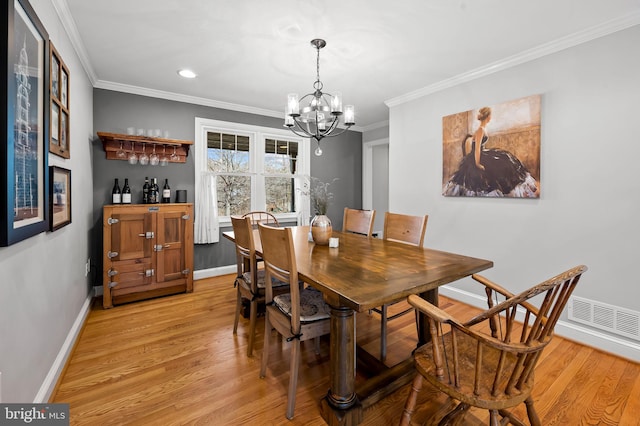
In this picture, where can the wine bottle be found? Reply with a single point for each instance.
(145, 191)
(166, 192)
(116, 194)
(154, 192)
(126, 192)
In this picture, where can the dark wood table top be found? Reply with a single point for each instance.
(363, 273)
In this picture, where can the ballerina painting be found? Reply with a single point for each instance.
(493, 160)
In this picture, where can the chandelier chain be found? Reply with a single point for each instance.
(318, 84)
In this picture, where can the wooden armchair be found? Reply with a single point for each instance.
(488, 362)
(299, 315)
(404, 229)
(249, 279)
(358, 221)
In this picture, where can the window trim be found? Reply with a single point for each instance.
(257, 136)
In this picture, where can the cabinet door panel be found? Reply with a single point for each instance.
(170, 257)
(132, 235)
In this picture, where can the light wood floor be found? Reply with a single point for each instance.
(175, 361)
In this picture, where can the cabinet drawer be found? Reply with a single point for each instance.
(131, 273)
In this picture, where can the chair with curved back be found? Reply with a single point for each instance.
(404, 229)
(262, 217)
(488, 362)
(249, 279)
(358, 221)
(299, 315)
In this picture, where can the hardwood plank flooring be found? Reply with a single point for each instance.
(175, 361)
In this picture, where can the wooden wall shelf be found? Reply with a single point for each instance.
(111, 144)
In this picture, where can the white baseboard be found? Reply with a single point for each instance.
(214, 272)
(597, 339)
(49, 384)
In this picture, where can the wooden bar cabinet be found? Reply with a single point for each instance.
(147, 251)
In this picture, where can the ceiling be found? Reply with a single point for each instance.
(250, 54)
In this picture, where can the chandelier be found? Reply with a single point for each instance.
(317, 115)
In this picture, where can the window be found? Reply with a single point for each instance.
(256, 168)
(280, 165)
(228, 157)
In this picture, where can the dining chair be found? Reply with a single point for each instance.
(358, 221)
(262, 217)
(249, 280)
(298, 315)
(406, 229)
(488, 361)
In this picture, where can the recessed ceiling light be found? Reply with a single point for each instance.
(187, 73)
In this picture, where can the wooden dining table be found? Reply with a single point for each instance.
(358, 275)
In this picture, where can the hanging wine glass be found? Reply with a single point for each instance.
(120, 153)
(133, 158)
(144, 158)
(174, 156)
(164, 160)
(154, 159)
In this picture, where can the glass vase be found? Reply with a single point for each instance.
(321, 229)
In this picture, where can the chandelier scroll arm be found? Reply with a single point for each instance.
(301, 132)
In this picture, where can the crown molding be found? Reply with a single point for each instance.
(572, 40)
(69, 25)
(153, 93)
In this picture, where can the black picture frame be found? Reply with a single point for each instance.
(60, 197)
(24, 123)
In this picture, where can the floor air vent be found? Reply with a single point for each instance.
(614, 319)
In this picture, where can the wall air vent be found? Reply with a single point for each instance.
(614, 319)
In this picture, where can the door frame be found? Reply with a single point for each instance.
(367, 171)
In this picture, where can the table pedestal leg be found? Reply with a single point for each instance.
(424, 336)
(341, 405)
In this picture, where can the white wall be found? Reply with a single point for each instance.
(43, 289)
(590, 186)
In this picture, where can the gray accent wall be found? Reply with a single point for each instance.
(116, 111)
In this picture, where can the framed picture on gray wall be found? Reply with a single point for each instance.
(60, 197)
(24, 70)
(59, 93)
(493, 151)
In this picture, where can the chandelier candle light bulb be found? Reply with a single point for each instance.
(349, 115)
(288, 119)
(336, 104)
(293, 105)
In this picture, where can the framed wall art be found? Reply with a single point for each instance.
(493, 151)
(59, 93)
(24, 123)
(60, 197)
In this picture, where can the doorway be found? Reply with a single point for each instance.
(375, 180)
